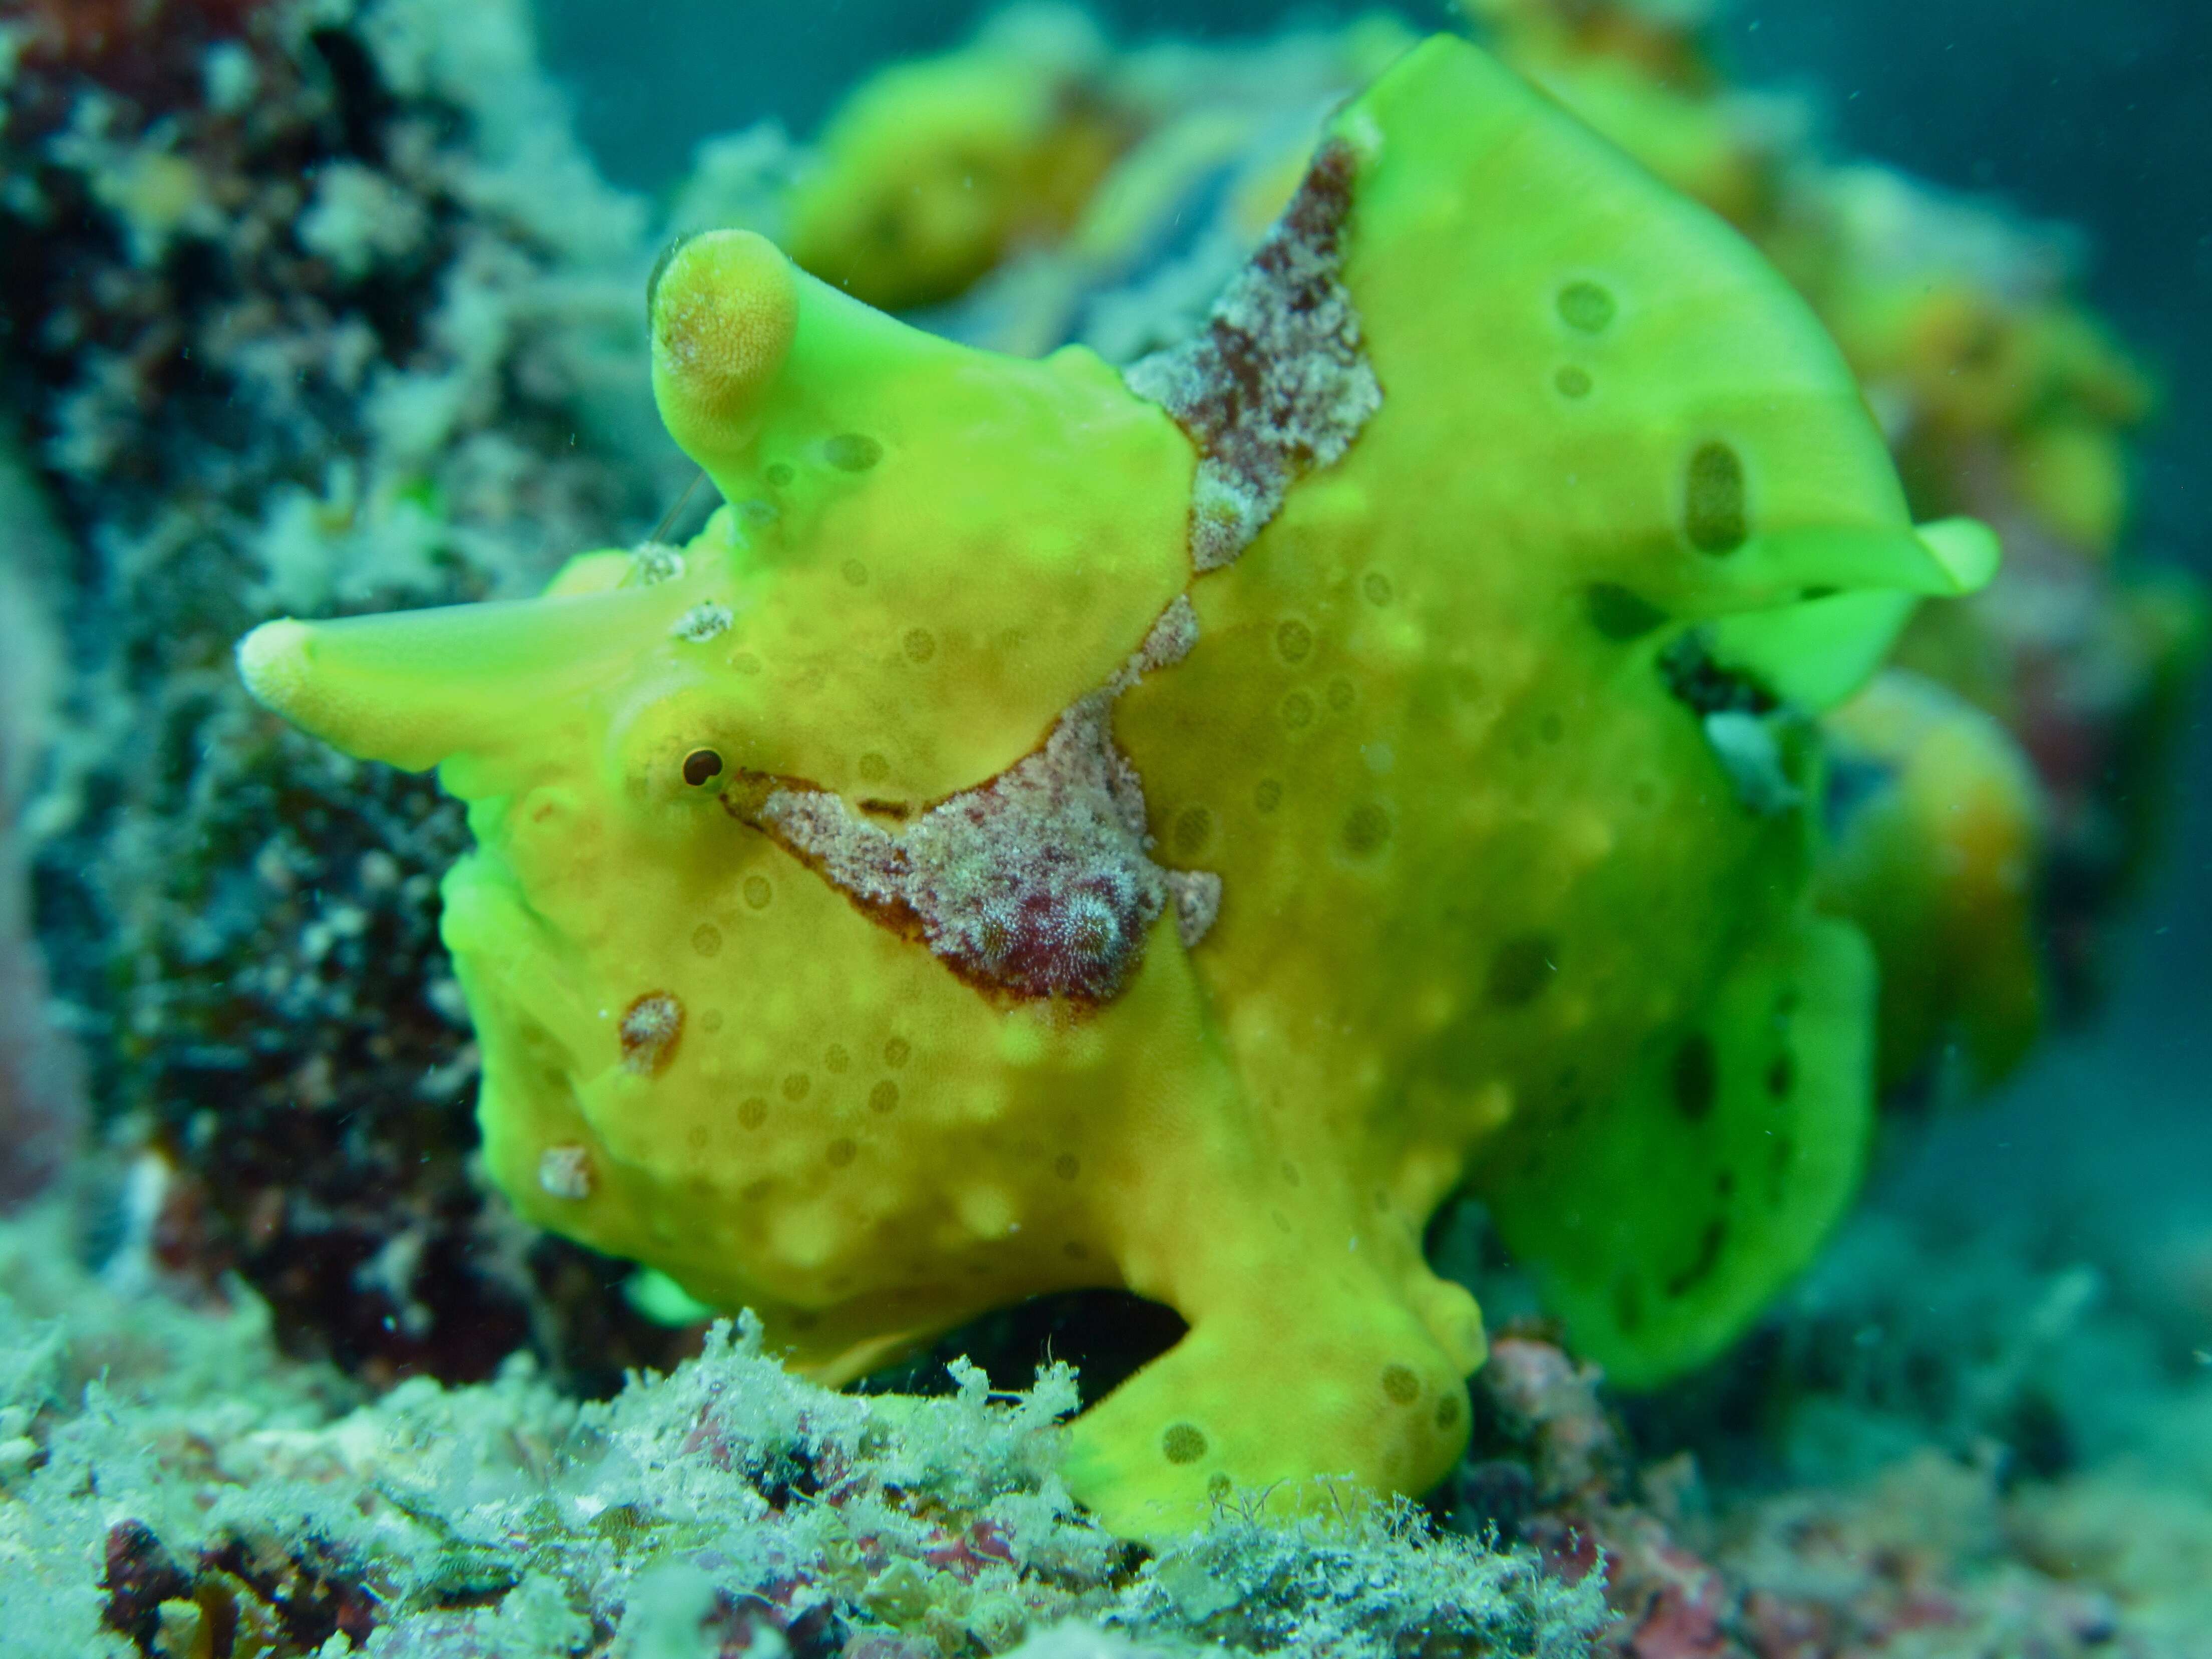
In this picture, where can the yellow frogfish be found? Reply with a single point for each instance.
(1171, 827)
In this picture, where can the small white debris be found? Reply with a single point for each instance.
(565, 1172)
(1197, 895)
(703, 623)
(654, 562)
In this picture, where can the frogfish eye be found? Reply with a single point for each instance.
(701, 765)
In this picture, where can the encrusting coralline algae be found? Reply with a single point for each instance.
(163, 1474)
(1037, 883)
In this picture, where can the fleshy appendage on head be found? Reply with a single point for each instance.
(724, 310)
(957, 546)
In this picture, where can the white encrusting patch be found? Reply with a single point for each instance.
(565, 1172)
(1277, 383)
(654, 562)
(702, 622)
(1039, 883)
(1198, 902)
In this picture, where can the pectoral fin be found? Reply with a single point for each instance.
(1658, 1227)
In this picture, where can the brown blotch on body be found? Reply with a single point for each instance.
(1183, 1442)
(1621, 613)
(1277, 383)
(1586, 308)
(1193, 827)
(1520, 970)
(852, 452)
(651, 1029)
(1401, 1383)
(1366, 830)
(1713, 511)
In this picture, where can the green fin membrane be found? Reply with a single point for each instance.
(1817, 653)
(1658, 1227)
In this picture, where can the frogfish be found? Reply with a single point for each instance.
(1172, 827)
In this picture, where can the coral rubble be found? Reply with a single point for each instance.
(312, 307)
(169, 1486)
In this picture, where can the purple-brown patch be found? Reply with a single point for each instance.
(1277, 382)
(651, 1029)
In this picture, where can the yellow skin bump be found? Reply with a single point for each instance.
(1508, 847)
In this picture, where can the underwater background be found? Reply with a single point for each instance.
(324, 307)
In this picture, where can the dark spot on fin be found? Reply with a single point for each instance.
(1708, 1258)
(852, 452)
(1695, 1078)
(1627, 1304)
(1621, 613)
(1781, 1075)
(1713, 511)
(1586, 308)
